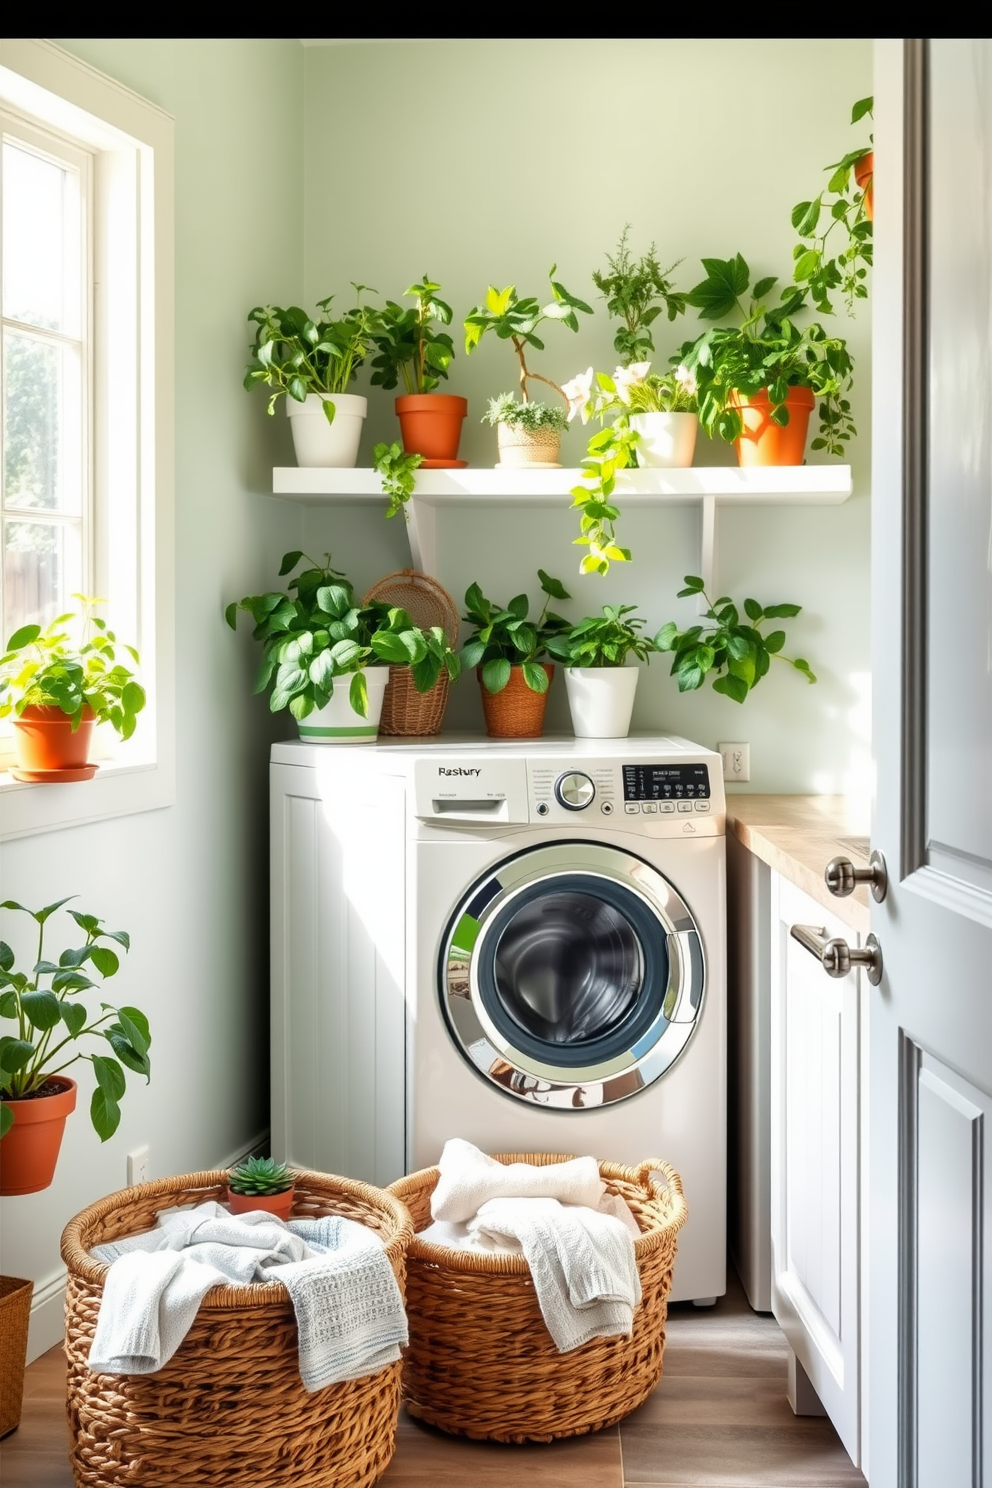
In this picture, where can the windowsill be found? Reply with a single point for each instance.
(119, 788)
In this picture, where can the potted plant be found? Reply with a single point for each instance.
(55, 688)
(525, 441)
(529, 434)
(36, 1096)
(636, 291)
(758, 382)
(733, 652)
(313, 362)
(410, 348)
(261, 1183)
(599, 682)
(846, 204)
(507, 650)
(326, 657)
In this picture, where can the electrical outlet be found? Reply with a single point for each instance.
(736, 761)
(138, 1166)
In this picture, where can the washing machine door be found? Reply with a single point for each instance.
(572, 975)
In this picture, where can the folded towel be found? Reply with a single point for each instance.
(349, 1311)
(462, 1235)
(469, 1178)
(582, 1264)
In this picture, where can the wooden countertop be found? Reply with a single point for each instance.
(798, 835)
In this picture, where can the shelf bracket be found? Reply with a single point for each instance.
(707, 552)
(421, 530)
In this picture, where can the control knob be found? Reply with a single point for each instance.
(574, 790)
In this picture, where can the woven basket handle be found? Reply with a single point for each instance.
(658, 1165)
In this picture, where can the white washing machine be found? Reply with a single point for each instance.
(518, 943)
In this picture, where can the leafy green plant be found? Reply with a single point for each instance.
(734, 652)
(636, 292)
(296, 355)
(50, 1020)
(50, 669)
(398, 470)
(841, 206)
(318, 631)
(516, 320)
(531, 416)
(505, 636)
(767, 350)
(260, 1175)
(408, 345)
(604, 640)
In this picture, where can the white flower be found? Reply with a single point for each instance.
(629, 377)
(579, 395)
(685, 379)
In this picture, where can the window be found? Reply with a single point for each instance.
(86, 307)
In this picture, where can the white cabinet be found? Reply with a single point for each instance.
(817, 1116)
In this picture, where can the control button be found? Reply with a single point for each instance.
(632, 808)
(543, 808)
(607, 808)
(575, 791)
(685, 805)
(667, 808)
(650, 808)
(702, 805)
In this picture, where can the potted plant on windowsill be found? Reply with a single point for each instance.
(758, 382)
(261, 1183)
(326, 657)
(508, 651)
(36, 1096)
(526, 441)
(56, 688)
(599, 682)
(410, 348)
(312, 362)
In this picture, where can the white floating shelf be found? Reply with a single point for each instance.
(710, 486)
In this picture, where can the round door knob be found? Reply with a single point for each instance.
(575, 791)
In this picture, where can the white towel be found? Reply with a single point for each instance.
(469, 1178)
(348, 1306)
(582, 1264)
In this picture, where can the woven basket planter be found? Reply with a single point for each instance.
(481, 1362)
(229, 1407)
(406, 712)
(15, 1315)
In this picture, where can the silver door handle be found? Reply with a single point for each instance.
(836, 956)
(842, 878)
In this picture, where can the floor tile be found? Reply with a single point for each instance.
(803, 1451)
(427, 1457)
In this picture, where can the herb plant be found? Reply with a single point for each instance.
(50, 1020)
(408, 345)
(49, 669)
(516, 320)
(531, 416)
(841, 205)
(398, 470)
(636, 291)
(296, 355)
(736, 653)
(604, 640)
(505, 637)
(260, 1175)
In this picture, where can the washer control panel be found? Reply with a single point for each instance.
(664, 798)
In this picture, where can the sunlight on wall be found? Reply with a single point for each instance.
(854, 775)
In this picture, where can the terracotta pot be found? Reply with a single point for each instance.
(279, 1204)
(766, 443)
(47, 748)
(30, 1150)
(431, 425)
(864, 175)
(516, 712)
(528, 449)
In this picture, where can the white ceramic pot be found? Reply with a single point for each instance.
(318, 443)
(601, 700)
(668, 440)
(338, 723)
(528, 449)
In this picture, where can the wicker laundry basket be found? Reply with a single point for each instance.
(481, 1362)
(229, 1407)
(15, 1315)
(405, 711)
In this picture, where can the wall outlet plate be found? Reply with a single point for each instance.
(139, 1166)
(736, 761)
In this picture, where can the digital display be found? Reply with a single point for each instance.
(666, 783)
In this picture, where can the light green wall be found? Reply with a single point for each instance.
(190, 882)
(485, 162)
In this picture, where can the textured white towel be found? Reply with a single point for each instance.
(469, 1178)
(582, 1264)
(348, 1307)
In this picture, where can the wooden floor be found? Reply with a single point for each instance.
(718, 1419)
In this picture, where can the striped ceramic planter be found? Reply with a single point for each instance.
(338, 723)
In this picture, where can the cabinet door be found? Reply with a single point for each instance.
(815, 1163)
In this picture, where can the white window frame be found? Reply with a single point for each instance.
(132, 142)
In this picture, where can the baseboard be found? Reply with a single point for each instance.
(47, 1324)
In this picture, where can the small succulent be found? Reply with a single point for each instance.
(260, 1175)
